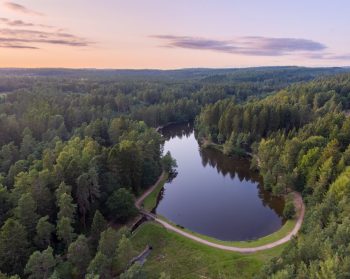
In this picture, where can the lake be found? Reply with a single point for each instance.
(213, 194)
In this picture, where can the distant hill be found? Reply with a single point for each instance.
(205, 74)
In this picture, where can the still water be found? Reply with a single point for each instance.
(213, 194)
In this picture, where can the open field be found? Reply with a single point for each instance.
(180, 257)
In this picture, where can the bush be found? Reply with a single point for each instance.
(168, 163)
(289, 209)
(121, 205)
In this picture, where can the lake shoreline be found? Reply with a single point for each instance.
(253, 246)
(281, 236)
(217, 183)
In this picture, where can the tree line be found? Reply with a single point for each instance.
(308, 151)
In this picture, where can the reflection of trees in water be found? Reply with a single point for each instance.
(240, 167)
(172, 176)
(228, 166)
(273, 202)
(177, 130)
(224, 165)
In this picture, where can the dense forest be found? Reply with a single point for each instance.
(300, 140)
(77, 147)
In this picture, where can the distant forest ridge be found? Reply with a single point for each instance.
(212, 74)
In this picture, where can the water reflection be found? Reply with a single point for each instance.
(240, 167)
(228, 166)
(177, 130)
(214, 194)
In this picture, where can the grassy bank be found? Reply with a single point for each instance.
(238, 152)
(151, 200)
(180, 257)
(209, 144)
(282, 232)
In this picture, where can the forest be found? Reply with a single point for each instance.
(299, 138)
(78, 146)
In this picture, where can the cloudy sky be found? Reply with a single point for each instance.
(171, 34)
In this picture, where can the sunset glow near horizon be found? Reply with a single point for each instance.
(173, 34)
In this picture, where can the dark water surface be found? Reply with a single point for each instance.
(214, 194)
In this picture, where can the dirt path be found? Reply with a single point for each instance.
(139, 201)
(299, 205)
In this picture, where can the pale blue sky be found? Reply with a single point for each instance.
(173, 34)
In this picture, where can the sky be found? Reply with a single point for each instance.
(168, 34)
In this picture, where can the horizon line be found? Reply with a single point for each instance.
(168, 69)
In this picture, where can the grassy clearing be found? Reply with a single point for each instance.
(183, 258)
(282, 232)
(151, 200)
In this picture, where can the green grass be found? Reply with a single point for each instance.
(182, 258)
(151, 200)
(286, 228)
(283, 231)
(214, 146)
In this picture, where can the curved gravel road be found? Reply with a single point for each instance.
(300, 208)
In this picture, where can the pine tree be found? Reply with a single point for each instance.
(44, 230)
(65, 231)
(88, 191)
(26, 214)
(124, 251)
(14, 247)
(108, 242)
(66, 206)
(99, 224)
(41, 264)
(28, 143)
(100, 265)
(79, 254)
